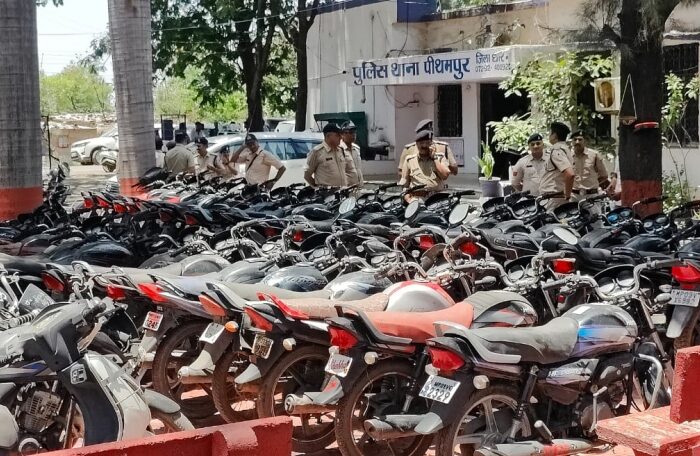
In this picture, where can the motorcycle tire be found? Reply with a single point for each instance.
(445, 437)
(224, 391)
(690, 336)
(266, 406)
(165, 375)
(172, 422)
(346, 419)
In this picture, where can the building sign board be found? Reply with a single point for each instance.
(452, 67)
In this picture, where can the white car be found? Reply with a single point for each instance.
(84, 151)
(292, 148)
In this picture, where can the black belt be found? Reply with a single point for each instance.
(583, 191)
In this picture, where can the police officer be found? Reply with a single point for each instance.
(589, 168)
(428, 166)
(527, 173)
(558, 173)
(441, 147)
(349, 143)
(328, 164)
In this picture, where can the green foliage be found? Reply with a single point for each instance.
(553, 87)
(511, 133)
(678, 94)
(486, 161)
(74, 90)
(675, 188)
(231, 107)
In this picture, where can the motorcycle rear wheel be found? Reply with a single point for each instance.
(446, 440)
(228, 401)
(172, 422)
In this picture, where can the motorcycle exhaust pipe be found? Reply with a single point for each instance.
(558, 447)
(392, 427)
(304, 405)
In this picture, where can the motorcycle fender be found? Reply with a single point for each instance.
(103, 422)
(9, 431)
(442, 414)
(336, 387)
(211, 353)
(680, 317)
(157, 401)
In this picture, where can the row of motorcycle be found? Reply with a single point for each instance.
(385, 328)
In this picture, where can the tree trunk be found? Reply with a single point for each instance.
(302, 81)
(20, 115)
(130, 33)
(641, 61)
(253, 91)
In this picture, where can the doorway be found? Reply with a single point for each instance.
(495, 106)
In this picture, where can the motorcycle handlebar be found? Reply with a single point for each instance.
(91, 314)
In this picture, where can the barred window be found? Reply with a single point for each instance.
(682, 60)
(449, 111)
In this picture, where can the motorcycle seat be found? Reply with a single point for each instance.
(548, 344)
(249, 292)
(325, 226)
(325, 308)
(483, 301)
(420, 326)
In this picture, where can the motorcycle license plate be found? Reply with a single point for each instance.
(212, 333)
(338, 365)
(153, 321)
(685, 298)
(439, 389)
(262, 346)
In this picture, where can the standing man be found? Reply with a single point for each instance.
(258, 162)
(349, 135)
(328, 164)
(179, 159)
(558, 171)
(198, 132)
(527, 173)
(204, 160)
(589, 168)
(428, 166)
(441, 147)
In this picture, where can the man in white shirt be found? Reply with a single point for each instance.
(258, 162)
(204, 160)
(348, 131)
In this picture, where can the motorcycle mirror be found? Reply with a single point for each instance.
(458, 214)
(347, 205)
(411, 209)
(65, 167)
(565, 236)
(268, 247)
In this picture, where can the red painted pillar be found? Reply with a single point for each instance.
(685, 405)
(20, 117)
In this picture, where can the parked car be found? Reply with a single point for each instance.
(292, 148)
(84, 151)
(285, 126)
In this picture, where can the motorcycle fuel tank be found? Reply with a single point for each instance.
(602, 328)
(356, 285)
(300, 277)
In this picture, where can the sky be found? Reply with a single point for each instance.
(65, 32)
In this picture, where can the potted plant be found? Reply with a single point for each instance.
(490, 186)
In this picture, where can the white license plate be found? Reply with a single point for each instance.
(153, 321)
(439, 389)
(685, 298)
(262, 346)
(338, 365)
(212, 333)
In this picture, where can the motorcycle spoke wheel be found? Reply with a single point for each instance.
(381, 391)
(488, 415)
(233, 405)
(296, 372)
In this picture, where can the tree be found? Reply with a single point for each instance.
(130, 35)
(296, 32)
(75, 89)
(20, 118)
(228, 41)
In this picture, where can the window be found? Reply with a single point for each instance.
(449, 111)
(298, 150)
(275, 147)
(682, 60)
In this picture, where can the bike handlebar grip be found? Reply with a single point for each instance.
(459, 240)
(554, 284)
(91, 314)
(666, 263)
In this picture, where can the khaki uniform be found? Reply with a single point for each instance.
(528, 173)
(590, 170)
(258, 165)
(331, 167)
(440, 147)
(421, 171)
(179, 159)
(202, 163)
(357, 161)
(556, 162)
